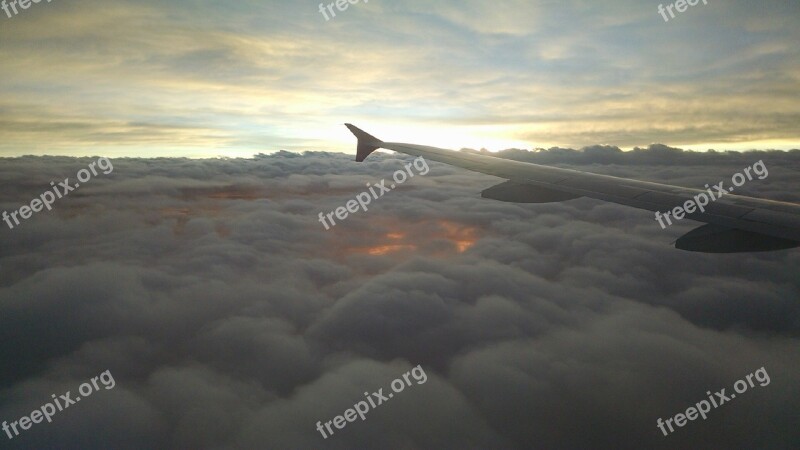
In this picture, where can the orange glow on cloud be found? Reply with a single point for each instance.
(181, 216)
(462, 237)
(384, 249)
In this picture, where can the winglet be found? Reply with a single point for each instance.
(367, 143)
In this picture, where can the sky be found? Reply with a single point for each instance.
(205, 79)
(191, 269)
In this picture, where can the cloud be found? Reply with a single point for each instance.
(230, 318)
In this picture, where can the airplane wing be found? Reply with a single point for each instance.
(734, 223)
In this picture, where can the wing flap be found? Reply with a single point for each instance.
(515, 192)
(712, 238)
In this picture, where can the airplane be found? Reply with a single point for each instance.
(733, 223)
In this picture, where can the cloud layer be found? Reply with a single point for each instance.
(230, 318)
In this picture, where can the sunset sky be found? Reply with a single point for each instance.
(211, 78)
(201, 271)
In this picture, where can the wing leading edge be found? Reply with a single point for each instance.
(736, 223)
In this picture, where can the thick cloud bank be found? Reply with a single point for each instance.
(230, 318)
